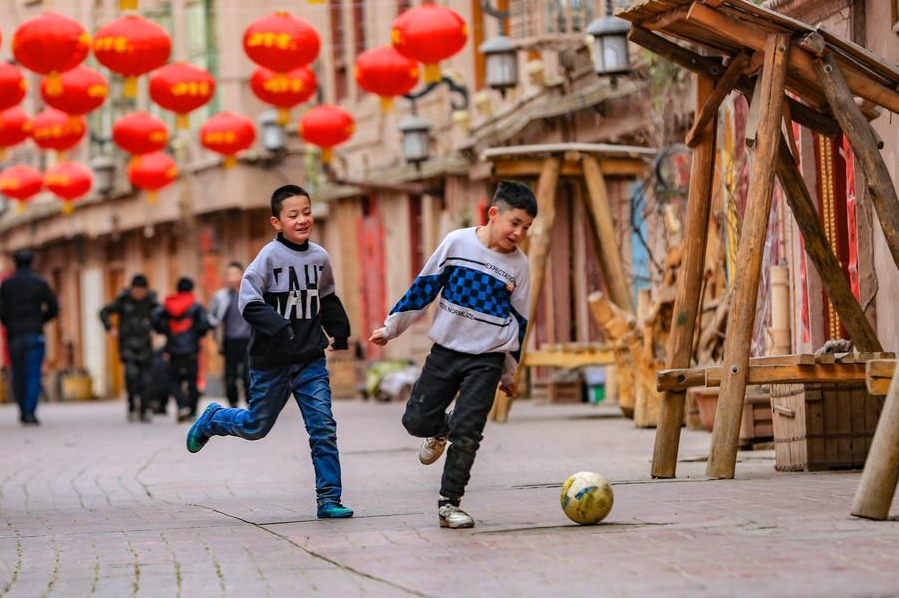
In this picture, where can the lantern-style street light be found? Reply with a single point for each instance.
(610, 55)
(415, 129)
(500, 55)
(271, 131)
(103, 169)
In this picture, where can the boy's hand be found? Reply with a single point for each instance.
(510, 390)
(378, 337)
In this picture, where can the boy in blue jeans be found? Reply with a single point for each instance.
(287, 296)
(483, 281)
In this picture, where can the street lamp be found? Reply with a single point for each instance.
(610, 55)
(103, 170)
(499, 53)
(271, 131)
(415, 129)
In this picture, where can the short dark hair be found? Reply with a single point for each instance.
(23, 257)
(185, 284)
(514, 194)
(235, 264)
(139, 280)
(284, 192)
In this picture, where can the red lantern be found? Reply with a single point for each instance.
(140, 133)
(83, 90)
(181, 88)
(153, 172)
(20, 182)
(283, 91)
(132, 46)
(228, 133)
(13, 85)
(326, 126)
(50, 44)
(15, 127)
(69, 181)
(281, 42)
(56, 130)
(386, 72)
(429, 33)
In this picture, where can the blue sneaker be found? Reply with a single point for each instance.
(195, 439)
(334, 510)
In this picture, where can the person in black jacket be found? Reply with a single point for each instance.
(26, 304)
(134, 307)
(184, 322)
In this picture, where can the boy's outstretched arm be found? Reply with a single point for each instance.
(379, 336)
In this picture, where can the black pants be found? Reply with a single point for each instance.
(183, 370)
(236, 367)
(137, 383)
(475, 379)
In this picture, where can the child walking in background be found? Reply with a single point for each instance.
(483, 280)
(287, 296)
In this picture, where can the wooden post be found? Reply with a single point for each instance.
(539, 237)
(878, 485)
(723, 454)
(603, 222)
(864, 144)
(689, 287)
(708, 110)
(817, 248)
(780, 310)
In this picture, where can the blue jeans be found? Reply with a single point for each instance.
(269, 392)
(26, 354)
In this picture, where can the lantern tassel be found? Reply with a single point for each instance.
(327, 155)
(182, 122)
(68, 207)
(230, 161)
(152, 196)
(283, 116)
(3, 154)
(61, 155)
(127, 4)
(54, 84)
(432, 73)
(386, 104)
(20, 207)
(129, 88)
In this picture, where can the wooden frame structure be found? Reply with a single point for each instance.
(764, 55)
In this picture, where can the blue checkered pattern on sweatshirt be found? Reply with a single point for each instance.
(422, 292)
(477, 291)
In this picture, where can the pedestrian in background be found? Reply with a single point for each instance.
(26, 304)
(483, 280)
(134, 308)
(287, 295)
(232, 332)
(184, 322)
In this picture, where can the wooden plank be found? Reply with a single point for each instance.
(864, 145)
(565, 359)
(709, 109)
(785, 360)
(738, 339)
(688, 294)
(761, 374)
(818, 250)
(879, 375)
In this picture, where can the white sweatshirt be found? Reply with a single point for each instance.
(484, 299)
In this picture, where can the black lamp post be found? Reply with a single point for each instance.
(103, 169)
(501, 56)
(415, 129)
(610, 55)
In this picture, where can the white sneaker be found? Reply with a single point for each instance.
(431, 449)
(452, 516)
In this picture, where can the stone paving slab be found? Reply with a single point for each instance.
(91, 505)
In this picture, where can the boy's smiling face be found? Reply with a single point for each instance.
(507, 228)
(295, 221)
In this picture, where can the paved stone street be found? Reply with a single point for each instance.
(92, 505)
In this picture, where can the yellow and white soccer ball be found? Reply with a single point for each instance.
(586, 497)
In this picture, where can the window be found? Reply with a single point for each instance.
(338, 38)
(199, 17)
(568, 16)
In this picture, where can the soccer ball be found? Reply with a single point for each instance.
(586, 497)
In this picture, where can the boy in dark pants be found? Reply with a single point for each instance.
(483, 281)
(287, 295)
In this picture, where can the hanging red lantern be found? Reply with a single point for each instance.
(15, 127)
(227, 134)
(281, 42)
(83, 90)
(132, 46)
(20, 182)
(181, 88)
(13, 85)
(56, 130)
(153, 172)
(50, 44)
(429, 33)
(386, 72)
(283, 91)
(69, 181)
(140, 133)
(326, 126)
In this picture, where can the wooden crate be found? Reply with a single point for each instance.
(823, 426)
(566, 392)
(757, 423)
(347, 376)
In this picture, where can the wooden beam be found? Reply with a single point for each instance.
(725, 434)
(881, 474)
(666, 19)
(799, 60)
(879, 375)
(864, 145)
(568, 359)
(604, 223)
(709, 109)
(818, 249)
(616, 167)
(762, 374)
(711, 68)
(689, 288)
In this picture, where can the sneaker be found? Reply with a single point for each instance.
(452, 516)
(431, 449)
(334, 510)
(195, 439)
